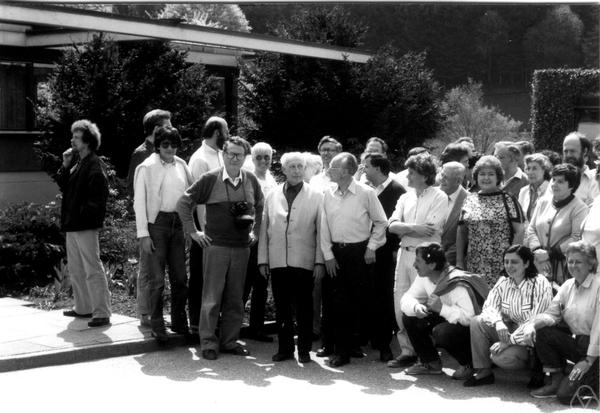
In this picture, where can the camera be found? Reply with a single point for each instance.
(241, 215)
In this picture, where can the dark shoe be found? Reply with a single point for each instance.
(324, 352)
(315, 337)
(463, 373)
(473, 381)
(260, 336)
(209, 354)
(338, 361)
(536, 381)
(357, 353)
(72, 313)
(402, 361)
(421, 369)
(160, 335)
(385, 355)
(145, 320)
(238, 350)
(282, 356)
(99, 322)
(304, 358)
(183, 330)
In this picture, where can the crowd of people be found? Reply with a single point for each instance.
(492, 257)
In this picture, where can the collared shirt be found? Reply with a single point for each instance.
(354, 215)
(234, 181)
(291, 192)
(431, 207)
(381, 187)
(588, 187)
(517, 302)
(204, 159)
(579, 307)
(452, 199)
(321, 182)
(173, 185)
(514, 184)
(590, 232)
(526, 194)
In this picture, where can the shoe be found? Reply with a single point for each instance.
(260, 336)
(72, 313)
(209, 354)
(549, 390)
(304, 358)
(473, 381)
(183, 330)
(238, 350)
(385, 355)
(338, 361)
(463, 373)
(324, 352)
(145, 320)
(282, 356)
(402, 361)
(419, 368)
(99, 322)
(160, 335)
(357, 353)
(536, 381)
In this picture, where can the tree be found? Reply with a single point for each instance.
(220, 16)
(465, 114)
(491, 40)
(114, 85)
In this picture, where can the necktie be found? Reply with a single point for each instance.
(532, 201)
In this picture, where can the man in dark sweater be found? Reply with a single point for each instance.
(234, 205)
(383, 319)
(84, 186)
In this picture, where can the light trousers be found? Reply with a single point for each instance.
(88, 279)
(404, 277)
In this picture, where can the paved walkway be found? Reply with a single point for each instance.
(35, 338)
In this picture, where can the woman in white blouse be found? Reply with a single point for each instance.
(537, 168)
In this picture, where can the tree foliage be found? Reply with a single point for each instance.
(219, 16)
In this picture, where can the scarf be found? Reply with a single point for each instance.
(475, 285)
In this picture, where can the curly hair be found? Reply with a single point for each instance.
(542, 160)
(90, 133)
(489, 162)
(424, 165)
(526, 255)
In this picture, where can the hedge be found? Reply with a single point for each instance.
(555, 93)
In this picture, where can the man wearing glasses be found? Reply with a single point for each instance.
(234, 205)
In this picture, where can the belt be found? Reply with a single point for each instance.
(409, 248)
(349, 244)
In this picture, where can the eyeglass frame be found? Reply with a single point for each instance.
(231, 156)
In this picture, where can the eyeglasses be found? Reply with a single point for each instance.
(238, 156)
(328, 150)
(261, 157)
(166, 144)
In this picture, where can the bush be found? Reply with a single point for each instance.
(555, 93)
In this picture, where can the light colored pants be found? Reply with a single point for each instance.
(90, 286)
(483, 335)
(405, 275)
(222, 293)
(143, 286)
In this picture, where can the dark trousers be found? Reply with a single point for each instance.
(169, 249)
(292, 290)
(554, 346)
(349, 296)
(381, 299)
(195, 285)
(258, 284)
(427, 334)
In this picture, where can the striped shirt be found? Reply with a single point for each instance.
(517, 303)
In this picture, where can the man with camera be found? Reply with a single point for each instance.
(234, 205)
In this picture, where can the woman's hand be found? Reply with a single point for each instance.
(498, 347)
(542, 261)
(502, 331)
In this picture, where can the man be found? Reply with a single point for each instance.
(374, 145)
(152, 121)
(452, 176)
(402, 176)
(576, 151)
(353, 226)
(234, 205)
(438, 309)
(207, 157)
(377, 172)
(84, 185)
(514, 178)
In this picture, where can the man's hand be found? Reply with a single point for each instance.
(369, 256)
(502, 331)
(146, 245)
(201, 238)
(253, 239)
(332, 267)
(579, 370)
(498, 347)
(264, 270)
(434, 304)
(318, 272)
(423, 230)
(67, 158)
(421, 311)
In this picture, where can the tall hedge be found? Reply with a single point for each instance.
(555, 93)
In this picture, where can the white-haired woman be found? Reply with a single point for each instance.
(290, 251)
(314, 165)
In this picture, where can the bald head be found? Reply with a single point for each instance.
(347, 161)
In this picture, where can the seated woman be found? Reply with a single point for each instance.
(556, 222)
(569, 329)
(517, 296)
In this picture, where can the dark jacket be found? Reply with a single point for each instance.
(85, 192)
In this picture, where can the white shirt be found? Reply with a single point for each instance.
(205, 159)
(352, 216)
(321, 182)
(235, 181)
(402, 178)
(381, 187)
(591, 227)
(173, 186)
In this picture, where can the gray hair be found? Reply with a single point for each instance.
(586, 249)
(288, 157)
(262, 147)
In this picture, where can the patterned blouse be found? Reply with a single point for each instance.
(488, 218)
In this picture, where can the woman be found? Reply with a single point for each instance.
(537, 168)
(518, 296)
(289, 250)
(262, 157)
(419, 217)
(591, 225)
(570, 328)
(314, 165)
(491, 221)
(556, 223)
(159, 182)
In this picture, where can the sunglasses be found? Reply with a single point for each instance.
(166, 144)
(238, 156)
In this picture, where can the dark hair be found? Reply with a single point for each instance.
(380, 141)
(553, 156)
(213, 124)
(432, 253)
(526, 255)
(571, 173)
(454, 152)
(329, 139)
(166, 133)
(473, 159)
(90, 134)
(491, 162)
(417, 150)
(236, 140)
(526, 147)
(153, 119)
(379, 161)
(424, 165)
